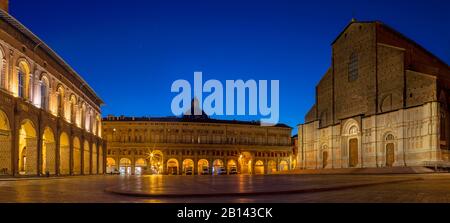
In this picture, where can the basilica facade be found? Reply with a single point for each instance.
(49, 116)
(383, 102)
(192, 145)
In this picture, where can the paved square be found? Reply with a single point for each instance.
(292, 188)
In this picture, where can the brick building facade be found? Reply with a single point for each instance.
(383, 102)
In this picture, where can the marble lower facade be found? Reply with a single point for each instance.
(405, 137)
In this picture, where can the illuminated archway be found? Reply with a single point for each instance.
(28, 155)
(155, 160)
(86, 158)
(140, 166)
(172, 167)
(284, 166)
(217, 165)
(64, 154)
(271, 167)
(188, 165)
(48, 152)
(5, 142)
(231, 165)
(203, 167)
(76, 156)
(259, 167)
(245, 160)
(110, 165)
(125, 166)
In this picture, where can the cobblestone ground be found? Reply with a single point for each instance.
(433, 188)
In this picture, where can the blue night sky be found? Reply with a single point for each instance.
(131, 51)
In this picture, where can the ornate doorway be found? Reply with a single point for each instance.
(324, 159)
(390, 155)
(353, 152)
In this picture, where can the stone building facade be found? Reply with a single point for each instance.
(201, 145)
(50, 121)
(383, 102)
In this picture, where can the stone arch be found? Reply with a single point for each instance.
(48, 152)
(45, 92)
(217, 164)
(271, 167)
(351, 136)
(188, 164)
(60, 102)
(389, 147)
(22, 78)
(94, 158)
(259, 167)
(28, 154)
(140, 165)
(76, 156)
(350, 125)
(245, 160)
(284, 165)
(86, 157)
(111, 166)
(172, 166)
(203, 166)
(155, 160)
(73, 109)
(64, 154)
(324, 155)
(5, 144)
(125, 166)
(232, 164)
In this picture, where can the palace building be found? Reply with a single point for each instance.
(383, 102)
(50, 121)
(196, 145)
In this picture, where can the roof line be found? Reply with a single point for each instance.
(23, 29)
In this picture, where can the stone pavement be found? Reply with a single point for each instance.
(89, 189)
(245, 185)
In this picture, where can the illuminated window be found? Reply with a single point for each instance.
(21, 84)
(353, 67)
(44, 95)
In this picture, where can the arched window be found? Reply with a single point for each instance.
(73, 103)
(22, 74)
(60, 101)
(353, 67)
(44, 93)
(83, 116)
(21, 83)
(389, 137)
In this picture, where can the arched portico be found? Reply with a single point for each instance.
(48, 152)
(64, 154)
(27, 147)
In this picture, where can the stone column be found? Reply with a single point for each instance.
(32, 164)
